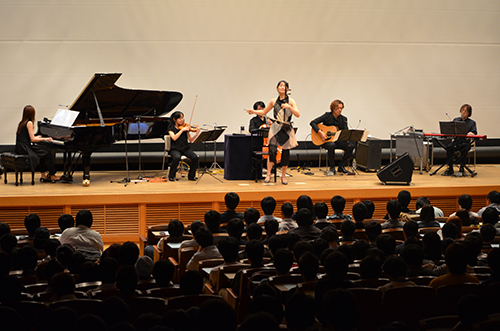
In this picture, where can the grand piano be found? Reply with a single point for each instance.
(109, 113)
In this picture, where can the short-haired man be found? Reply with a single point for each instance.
(82, 238)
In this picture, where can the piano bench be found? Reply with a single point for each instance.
(18, 163)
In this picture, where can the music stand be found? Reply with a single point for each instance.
(207, 136)
(351, 135)
(453, 127)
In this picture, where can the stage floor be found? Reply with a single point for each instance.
(125, 211)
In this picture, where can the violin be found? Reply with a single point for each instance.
(192, 128)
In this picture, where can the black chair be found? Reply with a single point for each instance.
(18, 163)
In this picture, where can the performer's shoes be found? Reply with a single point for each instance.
(193, 178)
(171, 179)
(332, 170)
(448, 172)
(283, 182)
(267, 180)
(342, 170)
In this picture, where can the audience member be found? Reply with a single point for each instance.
(370, 209)
(305, 201)
(493, 201)
(373, 229)
(336, 265)
(306, 230)
(212, 222)
(207, 249)
(228, 247)
(251, 215)
(163, 272)
(287, 223)
(494, 264)
(387, 244)
(191, 283)
(465, 218)
(370, 267)
(331, 236)
(427, 218)
(456, 257)
(413, 256)
(359, 212)
(231, 200)
(63, 287)
(268, 205)
(431, 243)
(321, 212)
(129, 253)
(82, 238)
(65, 221)
(41, 235)
(465, 202)
(347, 228)
(271, 227)
(144, 267)
(338, 205)
(393, 210)
(235, 228)
(450, 230)
(422, 201)
(31, 223)
(395, 268)
(410, 229)
(339, 310)
(308, 266)
(192, 242)
(216, 315)
(300, 312)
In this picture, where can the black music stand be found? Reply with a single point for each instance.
(125, 180)
(350, 135)
(208, 136)
(453, 129)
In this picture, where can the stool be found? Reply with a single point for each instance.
(18, 163)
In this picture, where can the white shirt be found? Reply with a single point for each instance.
(82, 236)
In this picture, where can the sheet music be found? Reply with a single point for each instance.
(64, 117)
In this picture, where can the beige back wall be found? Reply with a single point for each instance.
(394, 63)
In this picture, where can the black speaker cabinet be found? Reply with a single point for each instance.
(368, 155)
(398, 171)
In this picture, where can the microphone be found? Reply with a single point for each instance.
(207, 125)
(448, 116)
(359, 123)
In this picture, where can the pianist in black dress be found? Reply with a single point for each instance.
(181, 137)
(26, 144)
(460, 146)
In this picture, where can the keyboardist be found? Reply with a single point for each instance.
(460, 146)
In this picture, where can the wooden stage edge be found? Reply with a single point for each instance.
(123, 212)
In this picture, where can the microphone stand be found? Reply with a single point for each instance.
(125, 180)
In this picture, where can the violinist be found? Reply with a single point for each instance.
(180, 133)
(259, 121)
(334, 118)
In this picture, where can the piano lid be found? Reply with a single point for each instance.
(117, 102)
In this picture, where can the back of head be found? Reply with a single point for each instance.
(268, 205)
(319, 245)
(304, 217)
(359, 211)
(422, 201)
(370, 267)
(450, 230)
(254, 231)
(309, 265)
(347, 228)
(62, 284)
(474, 243)
(494, 197)
(413, 255)
(195, 226)
(283, 261)
(404, 198)
(31, 223)
(261, 321)
(490, 215)
(84, 217)
(387, 244)
(107, 269)
(370, 209)
(394, 209)
(191, 282)
(494, 260)
(465, 201)
(175, 228)
(228, 247)
(41, 235)
(340, 309)
(431, 243)
(129, 253)
(338, 203)
(216, 315)
(50, 247)
(410, 228)
(427, 214)
(287, 209)
(395, 267)
(212, 220)
(235, 228)
(126, 280)
(65, 221)
(276, 242)
(28, 257)
(330, 234)
(231, 200)
(336, 265)
(163, 272)
(204, 237)
(144, 267)
(305, 201)
(269, 304)
(300, 312)
(464, 217)
(255, 251)
(373, 230)
(458, 223)
(320, 210)
(457, 258)
(8, 242)
(488, 232)
(4, 228)
(271, 227)
(292, 238)
(251, 215)
(301, 247)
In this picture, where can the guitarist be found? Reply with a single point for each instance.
(339, 122)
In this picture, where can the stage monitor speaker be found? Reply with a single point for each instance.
(368, 155)
(399, 171)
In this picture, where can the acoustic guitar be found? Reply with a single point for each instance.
(329, 132)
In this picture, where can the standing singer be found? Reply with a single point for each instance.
(178, 132)
(334, 118)
(281, 132)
